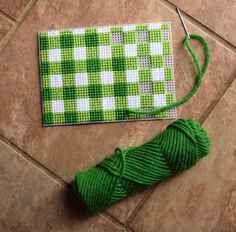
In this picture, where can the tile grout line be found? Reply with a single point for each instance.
(228, 45)
(218, 97)
(16, 23)
(209, 109)
(53, 177)
(114, 221)
(166, 3)
(27, 9)
(8, 17)
(29, 159)
(7, 37)
(202, 119)
(36, 164)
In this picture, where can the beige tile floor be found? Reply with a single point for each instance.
(35, 164)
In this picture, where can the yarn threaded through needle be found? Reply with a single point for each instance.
(174, 150)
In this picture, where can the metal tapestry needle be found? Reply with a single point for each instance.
(182, 21)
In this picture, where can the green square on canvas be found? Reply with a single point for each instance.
(118, 51)
(91, 40)
(146, 101)
(66, 39)
(155, 35)
(79, 41)
(93, 65)
(104, 39)
(130, 37)
(144, 49)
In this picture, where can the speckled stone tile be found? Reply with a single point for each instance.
(5, 27)
(13, 8)
(218, 15)
(202, 198)
(67, 149)
(31, 201)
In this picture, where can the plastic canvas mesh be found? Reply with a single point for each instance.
(95, 74)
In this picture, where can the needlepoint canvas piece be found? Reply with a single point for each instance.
(95, 74)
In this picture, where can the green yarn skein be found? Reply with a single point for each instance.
(174, 150)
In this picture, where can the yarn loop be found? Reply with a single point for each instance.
(200, 74)
(176, 149)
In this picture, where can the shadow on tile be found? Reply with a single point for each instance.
(74, 204)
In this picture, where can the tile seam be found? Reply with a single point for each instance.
(202, 119)
(36, 164)
(224, 42)
(47, 172)
(16, 24)
(218, 97)
(113, 220)
(7, 17)
(53, 177)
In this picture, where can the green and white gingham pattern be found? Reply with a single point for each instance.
(95, 74)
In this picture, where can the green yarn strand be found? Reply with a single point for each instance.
(176, 149)
(200, 74)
